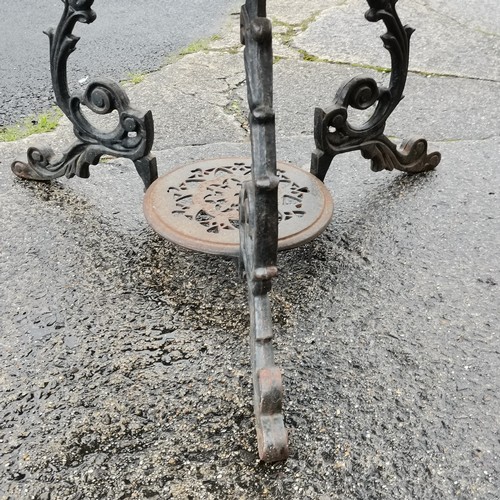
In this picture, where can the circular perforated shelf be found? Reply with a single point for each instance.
(196, 206)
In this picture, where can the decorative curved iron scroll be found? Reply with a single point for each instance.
(335, 135)
(259, 230)
(132, 137)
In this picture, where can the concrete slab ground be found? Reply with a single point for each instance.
(125, 361)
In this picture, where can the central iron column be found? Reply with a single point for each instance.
(259, 230)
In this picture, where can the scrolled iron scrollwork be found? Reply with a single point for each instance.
(333, 132)
(131, 138)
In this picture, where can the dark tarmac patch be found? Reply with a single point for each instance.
(125, 366)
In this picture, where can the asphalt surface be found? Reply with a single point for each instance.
(129, 36)
(124, 360)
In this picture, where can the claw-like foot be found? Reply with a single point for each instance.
(333, 132)
(272, 437)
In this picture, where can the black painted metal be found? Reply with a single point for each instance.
(335, 135)
(132, 137)
(259, 230)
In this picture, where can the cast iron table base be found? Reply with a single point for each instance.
(259, 210)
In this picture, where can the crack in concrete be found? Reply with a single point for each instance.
(293, 30)
(233, 108)
(399, 140)
(307, 57)
(455, 140)
(456, 21)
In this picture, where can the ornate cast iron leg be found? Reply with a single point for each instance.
(333, 132)
(133, 136)
(259, 230)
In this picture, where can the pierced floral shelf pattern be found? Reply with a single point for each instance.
(197, 205)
